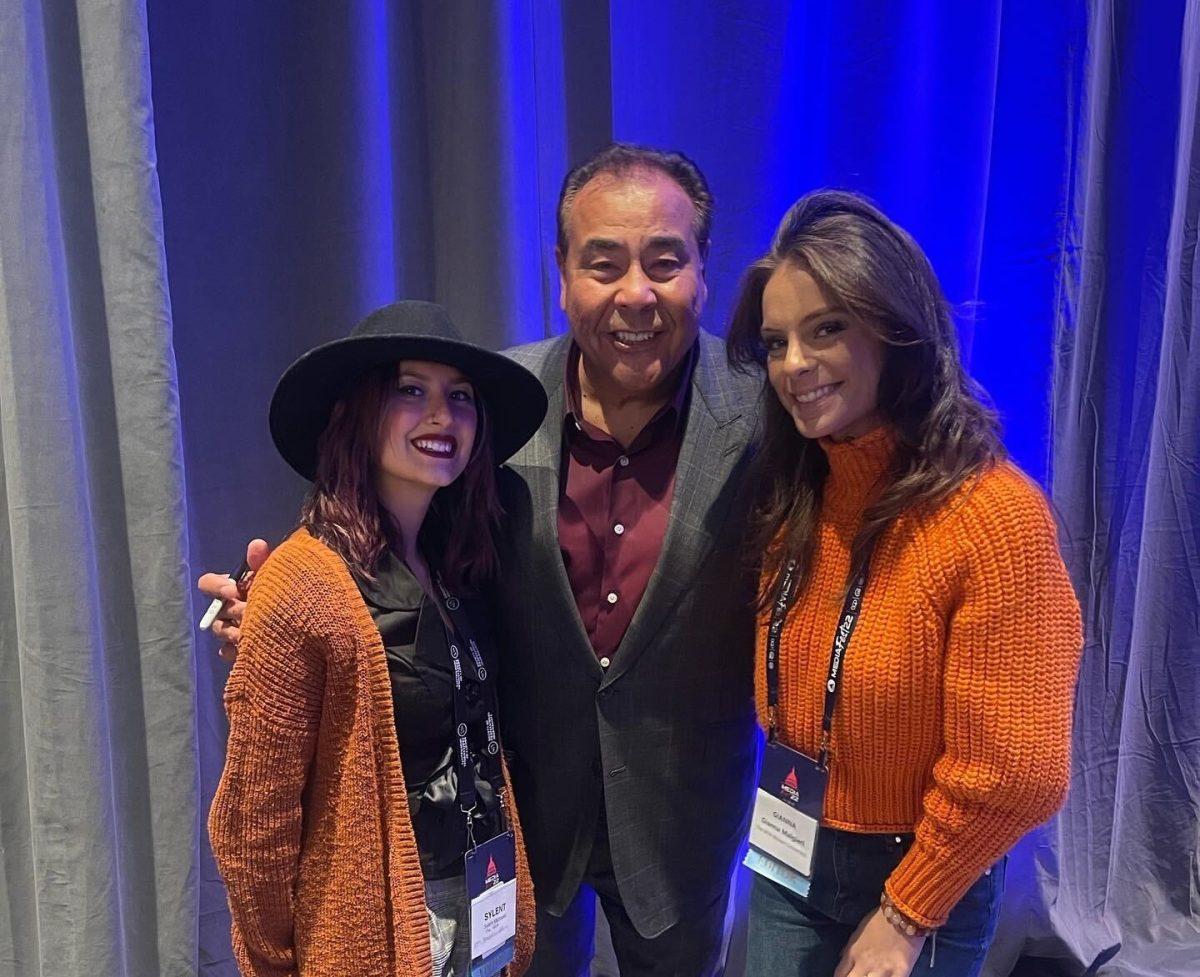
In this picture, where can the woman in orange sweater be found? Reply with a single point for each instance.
(919, 636)
(363, 824)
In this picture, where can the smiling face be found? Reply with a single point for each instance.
(823, 364)
(632, 281)
(426, 429)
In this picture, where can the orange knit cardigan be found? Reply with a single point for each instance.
(954, 720)
(310, 825)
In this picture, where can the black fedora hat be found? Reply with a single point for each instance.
(306, 394)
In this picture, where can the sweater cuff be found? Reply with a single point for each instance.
(926, 887)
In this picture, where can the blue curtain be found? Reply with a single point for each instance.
(319, 159)
(956, 118)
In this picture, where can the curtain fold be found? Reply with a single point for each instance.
(1126, 437)
(98, 761)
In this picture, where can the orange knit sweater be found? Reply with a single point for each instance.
(310, 825)
(954, 719)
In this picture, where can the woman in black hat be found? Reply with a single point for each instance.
(364, 805)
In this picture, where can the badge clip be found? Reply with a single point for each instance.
(470, 826)
(823, 753)
(502, 817)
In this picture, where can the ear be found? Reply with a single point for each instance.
(560, 259)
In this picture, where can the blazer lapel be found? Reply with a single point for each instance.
(706, 459)
(541, 461)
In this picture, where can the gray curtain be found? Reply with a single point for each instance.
(98, 761)
(1124, 863)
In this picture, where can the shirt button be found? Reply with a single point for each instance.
(605, 662)
(618, 529)
(623, 460)
(612, 597)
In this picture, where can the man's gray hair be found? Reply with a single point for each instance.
(621, 159)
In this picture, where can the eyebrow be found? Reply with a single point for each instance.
(604, 245)
(418, 375)
(667, 241)
(816, 314)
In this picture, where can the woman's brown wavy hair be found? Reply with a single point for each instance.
(877, 274)
(342, 508)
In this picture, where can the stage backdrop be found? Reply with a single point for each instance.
(316, 160)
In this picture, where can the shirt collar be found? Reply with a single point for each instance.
(394, 588)
(675, 408)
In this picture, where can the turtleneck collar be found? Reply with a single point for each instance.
(856, 471)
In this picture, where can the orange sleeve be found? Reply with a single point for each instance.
(273, 698)
(526, 924)
(1012, 653)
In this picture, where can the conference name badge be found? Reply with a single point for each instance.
(787, 814)
(492, 890)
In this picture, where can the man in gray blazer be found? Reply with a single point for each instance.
(625, 608)
(624, 604)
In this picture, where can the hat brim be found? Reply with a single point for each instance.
(309, 389)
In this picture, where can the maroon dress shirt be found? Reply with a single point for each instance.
(613, 509)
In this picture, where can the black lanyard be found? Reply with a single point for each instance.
(461, 637)
(851, 610)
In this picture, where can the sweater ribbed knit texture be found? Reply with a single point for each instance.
(954, 719)
(310, 825)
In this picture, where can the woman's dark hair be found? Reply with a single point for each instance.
(342, 508)
(876, 273)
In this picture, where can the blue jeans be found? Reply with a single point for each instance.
(790, 936)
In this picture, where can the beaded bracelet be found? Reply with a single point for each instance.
(894, 916)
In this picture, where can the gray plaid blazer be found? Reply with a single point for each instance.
(666, 737)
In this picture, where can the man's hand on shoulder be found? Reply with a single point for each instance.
(227, 626)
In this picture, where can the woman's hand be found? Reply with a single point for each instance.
(878, 949)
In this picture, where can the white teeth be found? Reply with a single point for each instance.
(441, 447)
(812, 395)
(634, 337)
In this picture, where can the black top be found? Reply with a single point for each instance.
(418, 659)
